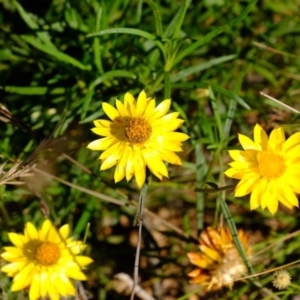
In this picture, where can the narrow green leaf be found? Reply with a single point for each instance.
(34, 90)
(190, 49)
(26, 17)
(233, 103)
(104, 77)
(181, 18)
(200, 67)
(157, 17)
(97, 49)
(139, 11)
(44, 36)
(132, 31)
(265, 73)
(172, 25)
(230, 94)
(217, 117)
(35, 42)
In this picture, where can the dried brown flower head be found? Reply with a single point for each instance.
(219, 262)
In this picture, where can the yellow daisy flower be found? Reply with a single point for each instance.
(219, 262)
(44, 260)
(268, 168)
(139, 134)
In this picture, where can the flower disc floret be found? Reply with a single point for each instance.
(138, 135)
(137, 131)
(268, 168)
(47, 254)
(44, 261)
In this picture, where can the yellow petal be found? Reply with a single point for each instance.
(177, 137)
(34, 292)
(129, 100)
(30, 231)
(247, 143)
(292, 154)
(17, 239)
(169, 118)
(64, 231)
(141, 104)
(260, 137)
(119, 172)
(44, 231)
(270, 197)
(242, 165)
(129, 165)
(150, 110)
(276, 137)
(11, 269)
(101, 144)
(108, 162)
(238, 155)
(291, 142)
(110, 111)
(139, 167)
(233, 173)
(114, 150)
(166, 127)
(287, 196)
(246, 185)
(161, 110)
(102, 131)
(75, 274)
(83, 260)
(23, 278)
(122, 109)
(64, 286)
(291, 178)
(14, 250)
(255, 198)
(102, 123)
(170, 157)
(155, 164)
(53, 236)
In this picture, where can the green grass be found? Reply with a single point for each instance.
(59, 60)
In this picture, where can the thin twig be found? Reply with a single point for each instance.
(124, 284)
(139, 223)
(120, 203)
(281, 103)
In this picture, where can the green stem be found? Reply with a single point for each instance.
(85, 217)
(200, 174)
(156, 84)
(234, 233)
(167, 91)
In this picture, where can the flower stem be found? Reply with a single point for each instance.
(139, 224)
(234, 233)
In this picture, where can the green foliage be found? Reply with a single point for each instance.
(60, 59)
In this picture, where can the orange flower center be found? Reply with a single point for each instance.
(47, 253)
(137, 131)
(270, 165)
